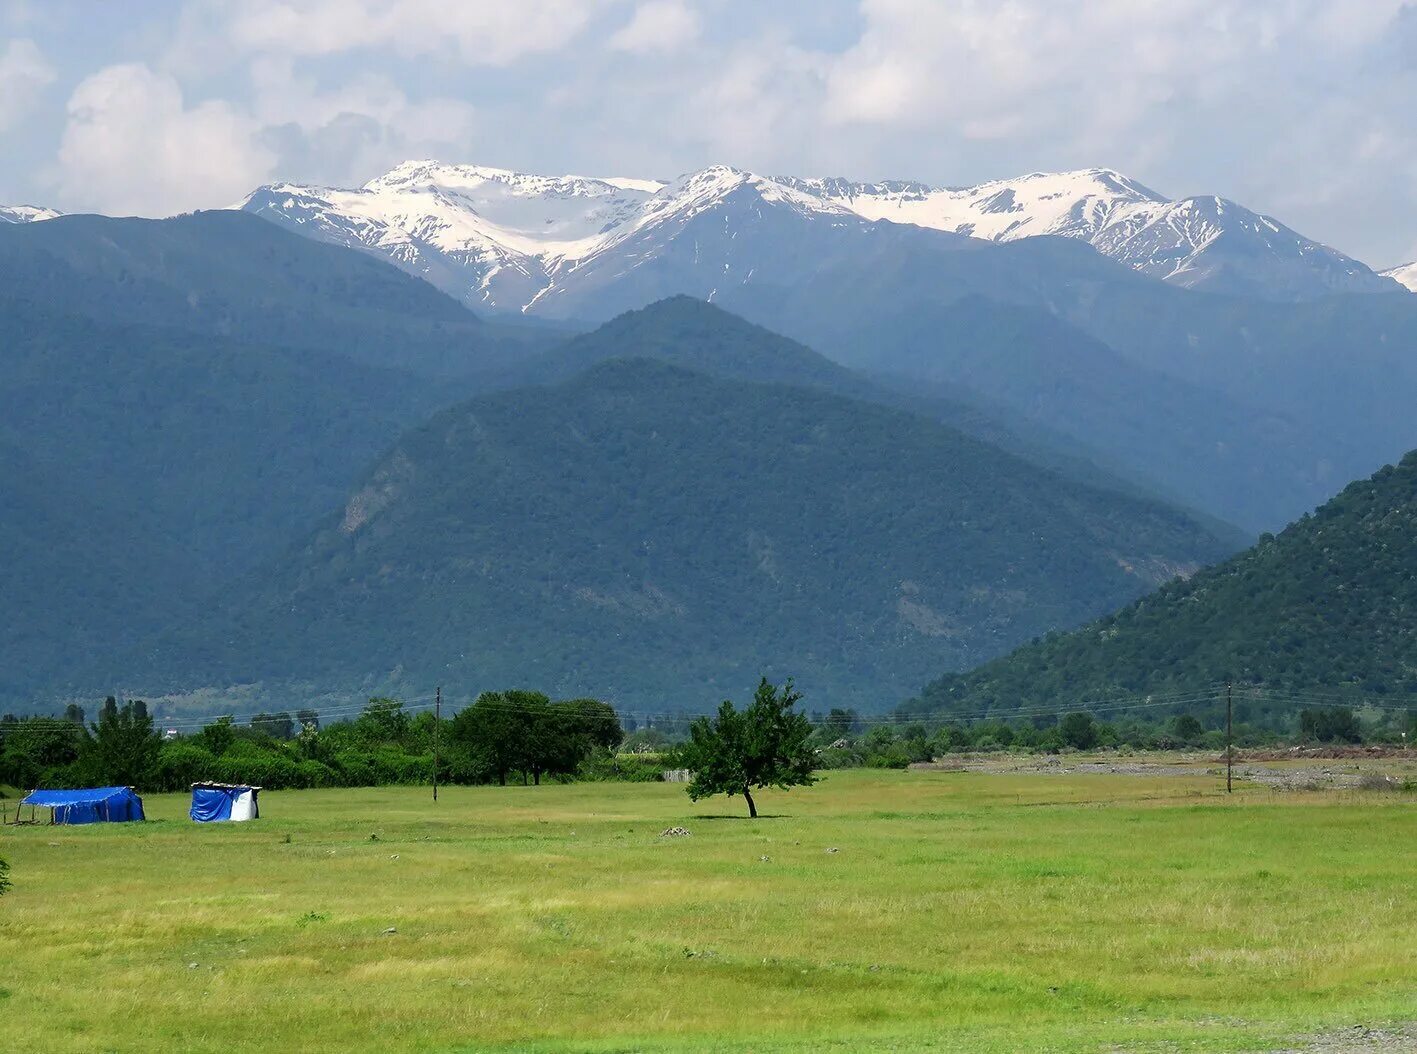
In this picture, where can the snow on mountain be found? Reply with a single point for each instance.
(503, 240)
(1406, 274)
(1198, 242)
(487, 235)
(26, 213)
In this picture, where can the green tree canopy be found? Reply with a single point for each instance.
(596, 720)
(277, 726)
(218, 735)
(383, 721)
(124, 748)
(765, 745)
(1328, 725)
(494, 730)
(1079, 730)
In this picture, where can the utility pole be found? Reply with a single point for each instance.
(1229, 738)
(437, 724)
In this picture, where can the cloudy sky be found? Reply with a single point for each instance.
(1306, 109)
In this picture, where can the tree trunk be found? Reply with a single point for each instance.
(502, 779)
(752, 809)
(536, 777)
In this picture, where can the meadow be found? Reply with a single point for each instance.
(943, 911)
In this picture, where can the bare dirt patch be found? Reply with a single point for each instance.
(1359, 1039)
(1296, 769)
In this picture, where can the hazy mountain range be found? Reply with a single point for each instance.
(246, 454)
(1406, 274)
(511, 241)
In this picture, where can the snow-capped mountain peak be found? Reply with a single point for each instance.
(503, 240)
(1405, 274)
(26, 213)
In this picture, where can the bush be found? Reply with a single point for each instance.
(625, 768)
(272, 771)
(179, 765)
(315, 774)
(837, 758)
(1377, 781)
(1079, 731)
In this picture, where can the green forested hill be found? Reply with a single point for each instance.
(662, 538)
(145, 467)
(1329, 603)
(235, 276)
(696, 335)
(182, 400)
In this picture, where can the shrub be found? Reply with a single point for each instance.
(354, 769)
(180, 765)
(315, 774)
(1377, 781)
(625, 768)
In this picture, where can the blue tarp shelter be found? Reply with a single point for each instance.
(216, 802)
(90, 805)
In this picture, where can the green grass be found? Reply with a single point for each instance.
(962, 912)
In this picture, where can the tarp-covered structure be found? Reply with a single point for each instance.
(216, 802)
(89, 805)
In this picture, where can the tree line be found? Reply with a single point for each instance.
(501, 736)
(524, 736)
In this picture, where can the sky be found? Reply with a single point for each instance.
(1304, 109)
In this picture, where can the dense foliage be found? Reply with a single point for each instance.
(764, 745)
(698, 336)
(503, 733)
(666, 538)
(1321, 613)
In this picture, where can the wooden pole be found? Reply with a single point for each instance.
(437, 721)
(1229, 738)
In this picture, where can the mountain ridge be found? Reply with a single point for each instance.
(1405, 274)
(505, 240)
(26, 213)
(646, 533)
(1326, 604)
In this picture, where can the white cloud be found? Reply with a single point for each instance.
(133, 146)
(1297, 107)
(352, 131)
(658, 26)
(479, 32)
(24, 73)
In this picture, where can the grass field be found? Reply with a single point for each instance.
(959, 912)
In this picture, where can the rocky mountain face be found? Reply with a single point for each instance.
(509, 241)
(1203, 242)
(25, 213)
(1405, 274)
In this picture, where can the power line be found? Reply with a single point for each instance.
(1110, 704)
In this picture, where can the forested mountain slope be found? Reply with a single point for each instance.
(699, 336)
(232, 275)
(147, 466)
(662, 538)
(1329, 603)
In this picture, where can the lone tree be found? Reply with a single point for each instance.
(764, 745)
